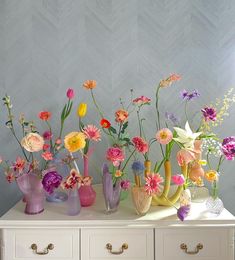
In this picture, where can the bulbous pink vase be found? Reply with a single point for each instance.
(31, 186)
(87, 195)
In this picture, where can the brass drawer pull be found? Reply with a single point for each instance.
(197, 249)
(110, 248)
(44, 252)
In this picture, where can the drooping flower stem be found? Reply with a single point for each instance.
(157, 108)
(127, 161)
(96, 105)
(139, 121)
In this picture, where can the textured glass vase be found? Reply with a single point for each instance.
(141, 200)
(185, 198)
(31, 186)
(73, 202)
(111, 191)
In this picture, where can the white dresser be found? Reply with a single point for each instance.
(92, 235)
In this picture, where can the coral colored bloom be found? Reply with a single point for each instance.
(105, 123)
(178, 179)
(164, 136)
(32, 142)
(70, 93)
(209, 114)
(89, 84)
(75, 141)
(228, 147)
(185, 156)
(46, 147)
(182, 212)
(115, 155)
(118, 173)
(168, 81)
(142, 100)
(211, 175)
(121, 115)
(51, 181)
(82, 109)
(140, 144)
(152, 185)
(47, 135)
(47, 156)
(19, 164)
(44, 115)
(125, 184)
(92, 133)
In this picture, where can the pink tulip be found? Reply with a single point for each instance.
(184, 157)
(70, 93)
(178, 179)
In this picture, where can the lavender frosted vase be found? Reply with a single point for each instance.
(31, 186)
(73, 202)
(111, 192)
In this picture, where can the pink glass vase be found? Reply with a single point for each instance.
(31, 186)
(86, 191)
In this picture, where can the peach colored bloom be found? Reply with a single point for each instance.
(58, 141)
(121, 115)
(185, 156)
(32, 142)
(140, 144)
(164, 136)
(153, 182)
(47, 156)
(89, 84)
(142, 100)
(92, 133)
(1, 160)
(19, 164)
(115, 155)
(211, 175)
(168, 81)
(196, 171)
(44, 115)
(118, 173)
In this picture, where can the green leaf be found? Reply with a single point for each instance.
(125, 125)
(113, 130)
(63, 113)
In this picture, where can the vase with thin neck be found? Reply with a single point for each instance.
(73, 202)
(185, 198)
(86, 192)
(111, 191)
(31, 186)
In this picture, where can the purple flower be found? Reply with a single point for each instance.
(209, 113)
(137, 167)
(47, 135)
(172, 118)
(185, 95)
(125, 184)
(228, 147)
(182, 212)
(51, 181)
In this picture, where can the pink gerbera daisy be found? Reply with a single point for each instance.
(164, 136)
(153, 182)
(92, 133)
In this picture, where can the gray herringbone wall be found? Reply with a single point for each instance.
(47, 46)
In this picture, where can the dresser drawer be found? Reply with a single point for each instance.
(193, 243)
(128, 244)
(32, 244)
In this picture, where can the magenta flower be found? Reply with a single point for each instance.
(70, 93)
(125, 184)
(140, 144)
(115, 155)
(209, 113)
(228, 147)
(182, 212)
(178, 179)
(47, 135)
(51, 181)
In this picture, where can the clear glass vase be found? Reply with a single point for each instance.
(34, 196)
(111, 191)
(73, 202)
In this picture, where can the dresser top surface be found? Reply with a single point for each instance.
(55, 215)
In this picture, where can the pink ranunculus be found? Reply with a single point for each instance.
(185, 156)
(47, 135)
(32, 142)
(140, 144)
(178, 179)
(142, 100)
(164, 136)
(47, 156)
(70, 93)
(115, 155)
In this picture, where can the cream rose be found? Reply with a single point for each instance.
(32, 142)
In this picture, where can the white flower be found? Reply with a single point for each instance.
(186, 136)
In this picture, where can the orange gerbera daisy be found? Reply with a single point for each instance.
(89, 84)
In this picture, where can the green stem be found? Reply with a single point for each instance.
(214, 190)
(185, 110)
(128, 160)
(208, 160)
(96, 105)
(221, 159)
(157, 108)
(138, 116)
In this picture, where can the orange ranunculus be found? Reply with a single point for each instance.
(89, 84)
(211, 175)
(32, 142)
(44, 115)
(105, 123)
(121, 115)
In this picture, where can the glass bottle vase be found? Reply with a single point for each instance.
(73, 202)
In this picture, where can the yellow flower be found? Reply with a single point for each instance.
(74, 141)
(118, 173)
(82, 109)
(211, 175)
(202, 162)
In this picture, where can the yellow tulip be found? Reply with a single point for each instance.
(82, 109)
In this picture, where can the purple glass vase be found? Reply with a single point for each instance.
(73, 202)
(31, 186)
(111, 191)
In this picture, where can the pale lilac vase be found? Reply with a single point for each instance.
(111, 191)
(73, 202)
(86, 191)
(31, 186)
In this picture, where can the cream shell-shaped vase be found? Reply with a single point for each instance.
(185, 198)
(141, 200)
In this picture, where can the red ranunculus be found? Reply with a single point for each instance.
(44, 115)
(105, 123)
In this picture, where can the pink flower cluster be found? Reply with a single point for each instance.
(115, 155)
(142, 100)
(228, 147)
(140, 144)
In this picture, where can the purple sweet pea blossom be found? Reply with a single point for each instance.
(172, 118)
(51, 181)
(228, 147)
(209, 114)
(125, 184)
(185, 95)
(182, 212)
